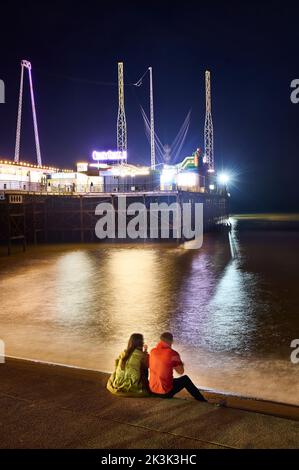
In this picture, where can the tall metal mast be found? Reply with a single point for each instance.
(208, 131)
(27, 65)
(153, 154)
(121, 117)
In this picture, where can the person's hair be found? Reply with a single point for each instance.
(168, 337)
(135, 342)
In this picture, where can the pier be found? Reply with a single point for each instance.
(33, 217)
(44, 204)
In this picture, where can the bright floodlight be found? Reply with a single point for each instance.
(223, 178)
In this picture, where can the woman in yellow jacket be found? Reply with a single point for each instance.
(130, 377)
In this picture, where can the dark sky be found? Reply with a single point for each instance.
(251, 49)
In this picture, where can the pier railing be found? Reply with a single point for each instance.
(19, 186)
(71, 189)
(77, 188)
(74, 189)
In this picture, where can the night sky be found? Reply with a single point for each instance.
(251, 49)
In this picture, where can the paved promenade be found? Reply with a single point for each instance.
(44, 406)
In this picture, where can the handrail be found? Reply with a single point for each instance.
(122, 187)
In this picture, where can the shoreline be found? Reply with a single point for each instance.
(233, 401)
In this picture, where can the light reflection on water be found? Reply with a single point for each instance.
(233, 319)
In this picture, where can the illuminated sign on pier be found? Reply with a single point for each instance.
(109, 156)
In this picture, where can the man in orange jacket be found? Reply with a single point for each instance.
(163, 360)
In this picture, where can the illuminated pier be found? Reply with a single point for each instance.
(40, 204)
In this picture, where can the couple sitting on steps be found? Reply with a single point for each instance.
(130, 377)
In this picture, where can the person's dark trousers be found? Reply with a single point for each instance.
(181, 383)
